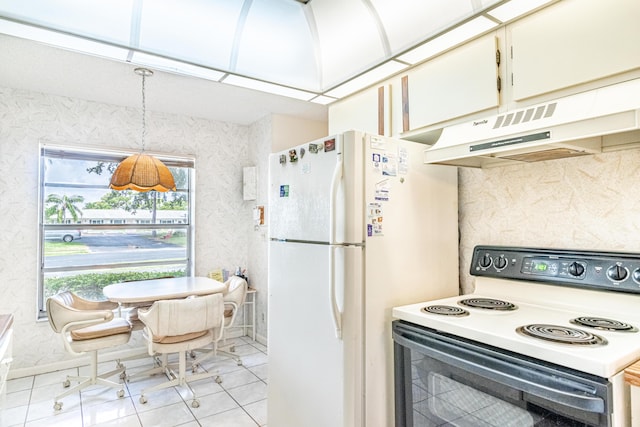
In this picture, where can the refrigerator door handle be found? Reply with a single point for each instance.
(335, 180)
(335, 310)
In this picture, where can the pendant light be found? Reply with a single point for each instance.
(142, 172)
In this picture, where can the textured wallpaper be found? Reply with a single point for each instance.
(589, 202)
(28, 118)
(260, 137)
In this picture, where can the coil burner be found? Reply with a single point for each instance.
(561, 334)
(604, 324)
(488, 304)
(445, 310)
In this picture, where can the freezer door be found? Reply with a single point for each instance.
(302, 182)
(315, 378)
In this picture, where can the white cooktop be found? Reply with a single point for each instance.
(543, 304)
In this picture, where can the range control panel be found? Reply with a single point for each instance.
(589, 269)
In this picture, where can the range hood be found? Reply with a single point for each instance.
(603, 119)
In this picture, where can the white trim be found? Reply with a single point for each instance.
(75, 362)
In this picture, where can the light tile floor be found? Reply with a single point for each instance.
(240, 400)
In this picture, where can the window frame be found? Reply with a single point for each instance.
(47, 151)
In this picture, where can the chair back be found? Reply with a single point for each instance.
(183, 316)
(234, 297)
(66, 308)
(236, 291)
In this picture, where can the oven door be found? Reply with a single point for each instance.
(441, 379)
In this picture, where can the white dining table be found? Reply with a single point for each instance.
(160, 289)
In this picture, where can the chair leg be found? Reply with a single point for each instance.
(93, 379)
(214, 351)
(231, 355)
(206, 353)
(142, 355)
(160, 365)
(228, 350)
(180, 379)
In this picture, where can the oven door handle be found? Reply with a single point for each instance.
(480, 361)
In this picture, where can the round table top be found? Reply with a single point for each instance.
(159, 289)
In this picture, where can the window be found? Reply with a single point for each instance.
(92, 236)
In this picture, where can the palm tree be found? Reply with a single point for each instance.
(58, 206)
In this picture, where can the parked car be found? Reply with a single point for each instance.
(64, 235)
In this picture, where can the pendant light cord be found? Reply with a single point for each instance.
(144, 110)
(142, 172)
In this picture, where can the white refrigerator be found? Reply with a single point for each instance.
(358, 224)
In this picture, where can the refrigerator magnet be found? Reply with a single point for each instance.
(314, 148)
(330, 144)
(376, 162)
(284, 191)
(293, 156)
(283, 159)
(374, 219)
(302, 151)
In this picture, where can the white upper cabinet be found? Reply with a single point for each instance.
(368, 111)
(573, 42)
(565, 48)
(455, 84)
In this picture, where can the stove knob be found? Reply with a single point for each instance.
(485, 261)
(576, 269)
(501, 262)
(636, 275)
(617, 273)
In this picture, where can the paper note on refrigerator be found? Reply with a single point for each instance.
(382, 191)
(374, 219)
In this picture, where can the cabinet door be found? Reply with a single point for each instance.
(455, 84)
(368, 111)
(574, 42)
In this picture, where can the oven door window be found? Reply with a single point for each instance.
(442, 380)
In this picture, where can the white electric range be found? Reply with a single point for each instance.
(565, 321)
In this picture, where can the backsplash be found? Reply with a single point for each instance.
(590, 202)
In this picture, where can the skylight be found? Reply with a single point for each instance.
(317, 50)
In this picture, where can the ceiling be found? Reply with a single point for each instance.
(37, 67)
(210, 56)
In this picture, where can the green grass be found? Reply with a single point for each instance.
(177, 240)
(62, 248)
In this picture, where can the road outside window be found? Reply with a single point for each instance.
(92, 236)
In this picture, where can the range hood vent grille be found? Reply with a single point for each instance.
(525, 115)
